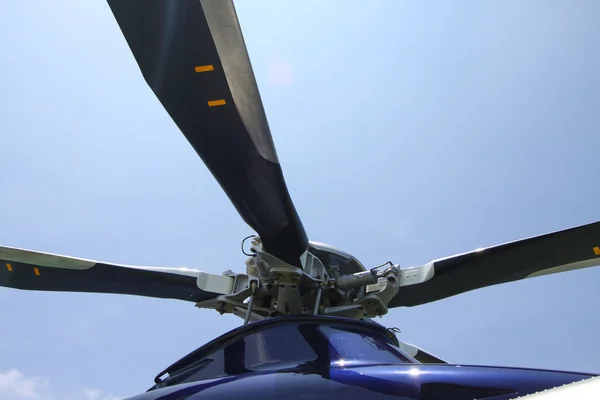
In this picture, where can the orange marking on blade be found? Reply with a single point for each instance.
(213, 103)
(204, 68)
(36, 271)
(597, 251)
(9, 267)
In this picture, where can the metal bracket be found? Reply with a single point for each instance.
(313, 267)
(241, 289)
(416, 275)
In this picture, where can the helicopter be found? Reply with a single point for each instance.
(289, 281)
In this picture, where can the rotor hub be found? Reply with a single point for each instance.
(340, 286)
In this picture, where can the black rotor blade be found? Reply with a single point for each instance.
(192, 55)
(552, 253)
(32, 270)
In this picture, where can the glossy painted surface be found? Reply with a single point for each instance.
(332, 358)
(373, 382)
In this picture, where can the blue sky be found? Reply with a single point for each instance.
(406, 130)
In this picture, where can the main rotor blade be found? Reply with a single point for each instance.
(192, 55)
(32, 270)
(555, 252)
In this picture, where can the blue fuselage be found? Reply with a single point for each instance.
(313, 358)
(427, 382)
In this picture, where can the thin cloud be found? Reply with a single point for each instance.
(96, 394)
(14, 385)
(279, 73)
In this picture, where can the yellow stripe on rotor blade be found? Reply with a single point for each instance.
(597, 251)
(213, 103)
(36, 271)
(204, 68)
(9, 267)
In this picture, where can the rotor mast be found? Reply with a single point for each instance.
(340, 286)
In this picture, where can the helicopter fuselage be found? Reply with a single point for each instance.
(333, 358)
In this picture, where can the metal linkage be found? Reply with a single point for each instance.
(332, 283)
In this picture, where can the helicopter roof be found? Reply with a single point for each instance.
(366, 325)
